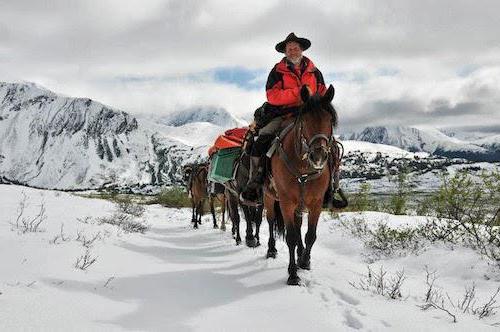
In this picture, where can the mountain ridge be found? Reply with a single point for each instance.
(431, 140)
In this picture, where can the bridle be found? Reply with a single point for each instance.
(304, 148)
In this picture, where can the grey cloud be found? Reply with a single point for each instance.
(442, 108)
(494, 129)
(414, 112)
(384, 112)
(75, 30)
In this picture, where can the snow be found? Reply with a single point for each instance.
(360, 146)
(490, 140)
(174, 278)
(192, 134)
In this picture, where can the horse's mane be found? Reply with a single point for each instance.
(314, 104)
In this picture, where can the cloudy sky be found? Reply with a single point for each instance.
(392, 62)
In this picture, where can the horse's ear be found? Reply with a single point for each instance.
(304, 93)
(330, 92)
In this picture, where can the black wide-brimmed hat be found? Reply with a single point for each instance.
(303, 42)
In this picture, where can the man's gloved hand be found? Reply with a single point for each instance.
(305, 92)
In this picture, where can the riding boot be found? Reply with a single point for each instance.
(330, 202)
(255, 179)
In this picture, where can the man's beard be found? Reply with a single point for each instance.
(295, 60)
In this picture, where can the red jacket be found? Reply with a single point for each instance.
(284, 82)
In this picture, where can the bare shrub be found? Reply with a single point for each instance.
(125, 221)
(20, 209)
(29, 224)
(434, 298)
(128, 207)
(85, 260)
(86, 220)
(466, 305)
(87, 242)
(106, 284)
(488, 308)
(61, 237)
(382, 283)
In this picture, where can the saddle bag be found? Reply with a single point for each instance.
(222, 164)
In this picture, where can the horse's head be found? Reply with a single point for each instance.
(186, 172)
(317, 119)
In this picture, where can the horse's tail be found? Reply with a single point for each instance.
(280, 222)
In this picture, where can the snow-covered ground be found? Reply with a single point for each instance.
(174, 278)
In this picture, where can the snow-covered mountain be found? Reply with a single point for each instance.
(52, 141)
(215, 115)
(429, 140)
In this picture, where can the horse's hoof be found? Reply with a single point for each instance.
(195, 226)
(238, 242)
(304, 263)
(215, 226)
(293, 281)
(251, 243)
(223, 229)
(271, 254)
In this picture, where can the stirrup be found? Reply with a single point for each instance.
(334, 203)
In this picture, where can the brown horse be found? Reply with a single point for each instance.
(301, 175)
(199, 193)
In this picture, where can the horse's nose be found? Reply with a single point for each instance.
(318, 157)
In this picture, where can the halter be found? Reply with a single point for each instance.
(306, 147)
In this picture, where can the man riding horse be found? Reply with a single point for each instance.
(293, 73)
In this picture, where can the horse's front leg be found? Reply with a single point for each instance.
(249, 218)
(196, 215)
(292, 234)
(235, 218)
(258, 222)
(212, 210)
(200, 210)
(271, 212)
(193, 205)
(305, 259)
(298, 224)
(223, 211)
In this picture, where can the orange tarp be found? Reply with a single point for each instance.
(232, 138)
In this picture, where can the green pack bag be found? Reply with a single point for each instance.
(222, 164)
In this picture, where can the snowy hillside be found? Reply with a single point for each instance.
(490, 142)
(51, 141)
(428, 140)
(173, 278)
